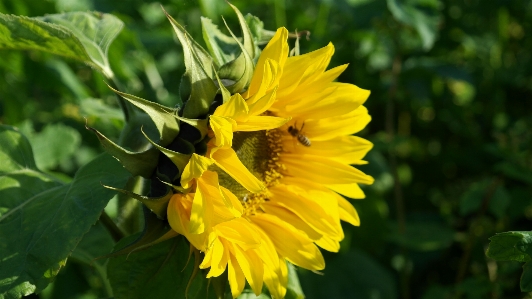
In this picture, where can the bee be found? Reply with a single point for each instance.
(298, 133)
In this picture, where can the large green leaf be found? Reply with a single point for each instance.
(514, 246)
(94, 30)
(48, 155)
(160, 271)
(83, 36)
(511, 246)
(41, 220)
(23, 33)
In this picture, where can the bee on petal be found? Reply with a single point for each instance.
(298, 133)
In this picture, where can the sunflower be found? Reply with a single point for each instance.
(284, 149)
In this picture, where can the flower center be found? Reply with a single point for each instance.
(259, 151)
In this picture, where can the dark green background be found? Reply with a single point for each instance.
(451, 103)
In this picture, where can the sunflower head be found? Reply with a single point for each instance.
(253, 167)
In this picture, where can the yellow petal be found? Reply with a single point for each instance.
(328, 243)
(350, 190)
(346, 97)
(348, 212)
(271, 70)
(223, 128)
(224, 208)
(252, 267)
(344, 149)
(228, 161)
(347, 124)
(202, 210)
(308, 90)
(318, 211)
(258, 123)
(178, 217)
(235, 276)
(264, 103)
(293, 219)
(266, 250)
(290, 243)
(239, 231)
(273, 282)
(301, 67)
(236, 108)
(235, 203)
(219, 257)
(277, 51)
(324, 170)
(194, 169)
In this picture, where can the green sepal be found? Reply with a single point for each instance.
(167, 125)
(226, 95)
(223, 48)
(236, 71)
(200, 124)
(137, 163)
(198, 66)
(256, 27)
(176, 188)
(155, 231)
(239, 70)
(157, 205)
(249, 45)
(179, 159)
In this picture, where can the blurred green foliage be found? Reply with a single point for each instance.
(451, 103)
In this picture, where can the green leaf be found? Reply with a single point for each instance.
(41, 220)
(198, 66)
(137, 163)
(96, 31)
(160, 271)
(293, 289)
(526, 278)
(90, 107)
(415, 13)
(511, 246)
(82, 36)
(23, 33)
(65, 143)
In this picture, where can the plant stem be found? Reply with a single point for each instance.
(124, 105)
(115, 232)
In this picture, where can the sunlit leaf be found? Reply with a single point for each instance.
(96, 31)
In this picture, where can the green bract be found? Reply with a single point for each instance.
(210, 79)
